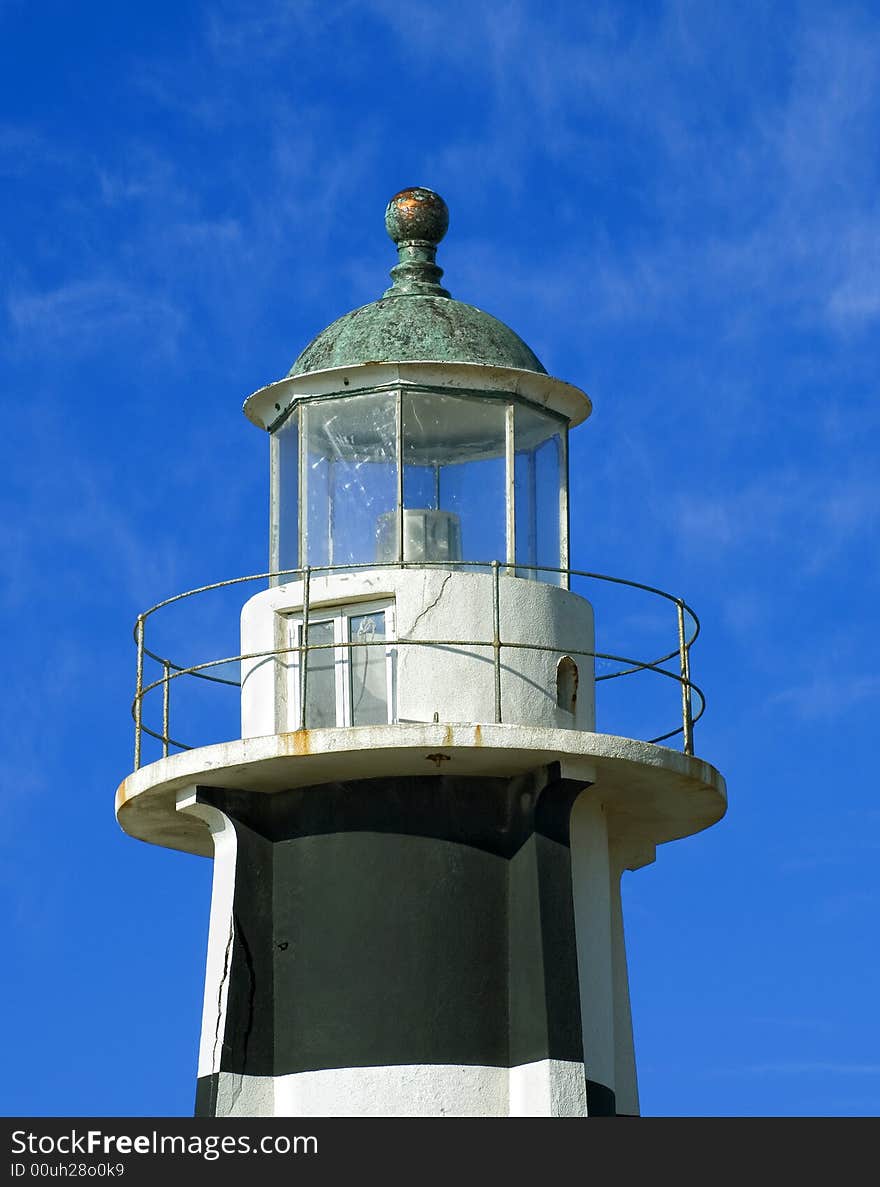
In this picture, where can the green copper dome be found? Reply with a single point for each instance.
(416, 320)
(416, 329)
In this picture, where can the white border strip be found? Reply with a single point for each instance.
(546, 1088)
(221, 929)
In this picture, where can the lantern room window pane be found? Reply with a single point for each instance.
(285, 496)
(315, 492)
(350, 478)
(538, 477)
(453, 479)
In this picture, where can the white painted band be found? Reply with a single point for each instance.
(547, 1088)
(220, 928)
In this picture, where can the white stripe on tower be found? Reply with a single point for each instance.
(221, 928)
(548, 1088)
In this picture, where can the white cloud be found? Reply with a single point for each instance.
(828, 694)
(809, 515)
(82, 315)
(70, 528)
(24, 148)
(804, 1067)
(774, 205)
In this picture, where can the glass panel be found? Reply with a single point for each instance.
(351, 477)
(315, 491)
(526, 511)
(321, 685)
(285, 511)
(548, 457)
(537, 490)
(453, 479)
(369, 670)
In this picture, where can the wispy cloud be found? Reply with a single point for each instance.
(779, 219)
(818, 861)
(81, 315)
(782, 215)
(237, 34)
(24, 148)
(96, 548)
(804, 1067)
(811, 515)
(848, 905)
(829, 694)
(855, 295)
(790, 1021)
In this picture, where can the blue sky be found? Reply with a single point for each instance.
(676, 205)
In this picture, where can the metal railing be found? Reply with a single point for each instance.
(171, 670)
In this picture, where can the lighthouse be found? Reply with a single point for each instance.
(417, 831)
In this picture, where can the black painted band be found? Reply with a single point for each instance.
(407, 921)
(495, 814)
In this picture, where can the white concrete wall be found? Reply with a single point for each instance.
(591, 891)
(625, 1078)
(220, 927)
(456, 682)
(549, 1088)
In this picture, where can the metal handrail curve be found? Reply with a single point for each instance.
(172, 670)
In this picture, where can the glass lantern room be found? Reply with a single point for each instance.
(423, 477)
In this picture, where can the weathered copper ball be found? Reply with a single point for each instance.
(417, 213)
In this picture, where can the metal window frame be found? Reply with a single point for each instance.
(275, 506)
(564, 512)
(340, 615)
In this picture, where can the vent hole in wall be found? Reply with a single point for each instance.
(567, 684)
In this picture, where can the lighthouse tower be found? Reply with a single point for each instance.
(418, 836)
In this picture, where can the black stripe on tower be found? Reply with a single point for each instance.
(413, 920)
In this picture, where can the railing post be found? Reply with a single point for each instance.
(510, 489)
(304, 649)
(166, 705)
(496, 637)
(398, 439)
(138, 692)
(685, 666)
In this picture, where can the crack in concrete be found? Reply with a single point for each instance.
(249, 1025)
(427, 609)
(227, 961)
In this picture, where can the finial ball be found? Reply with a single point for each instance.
(417, 213)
